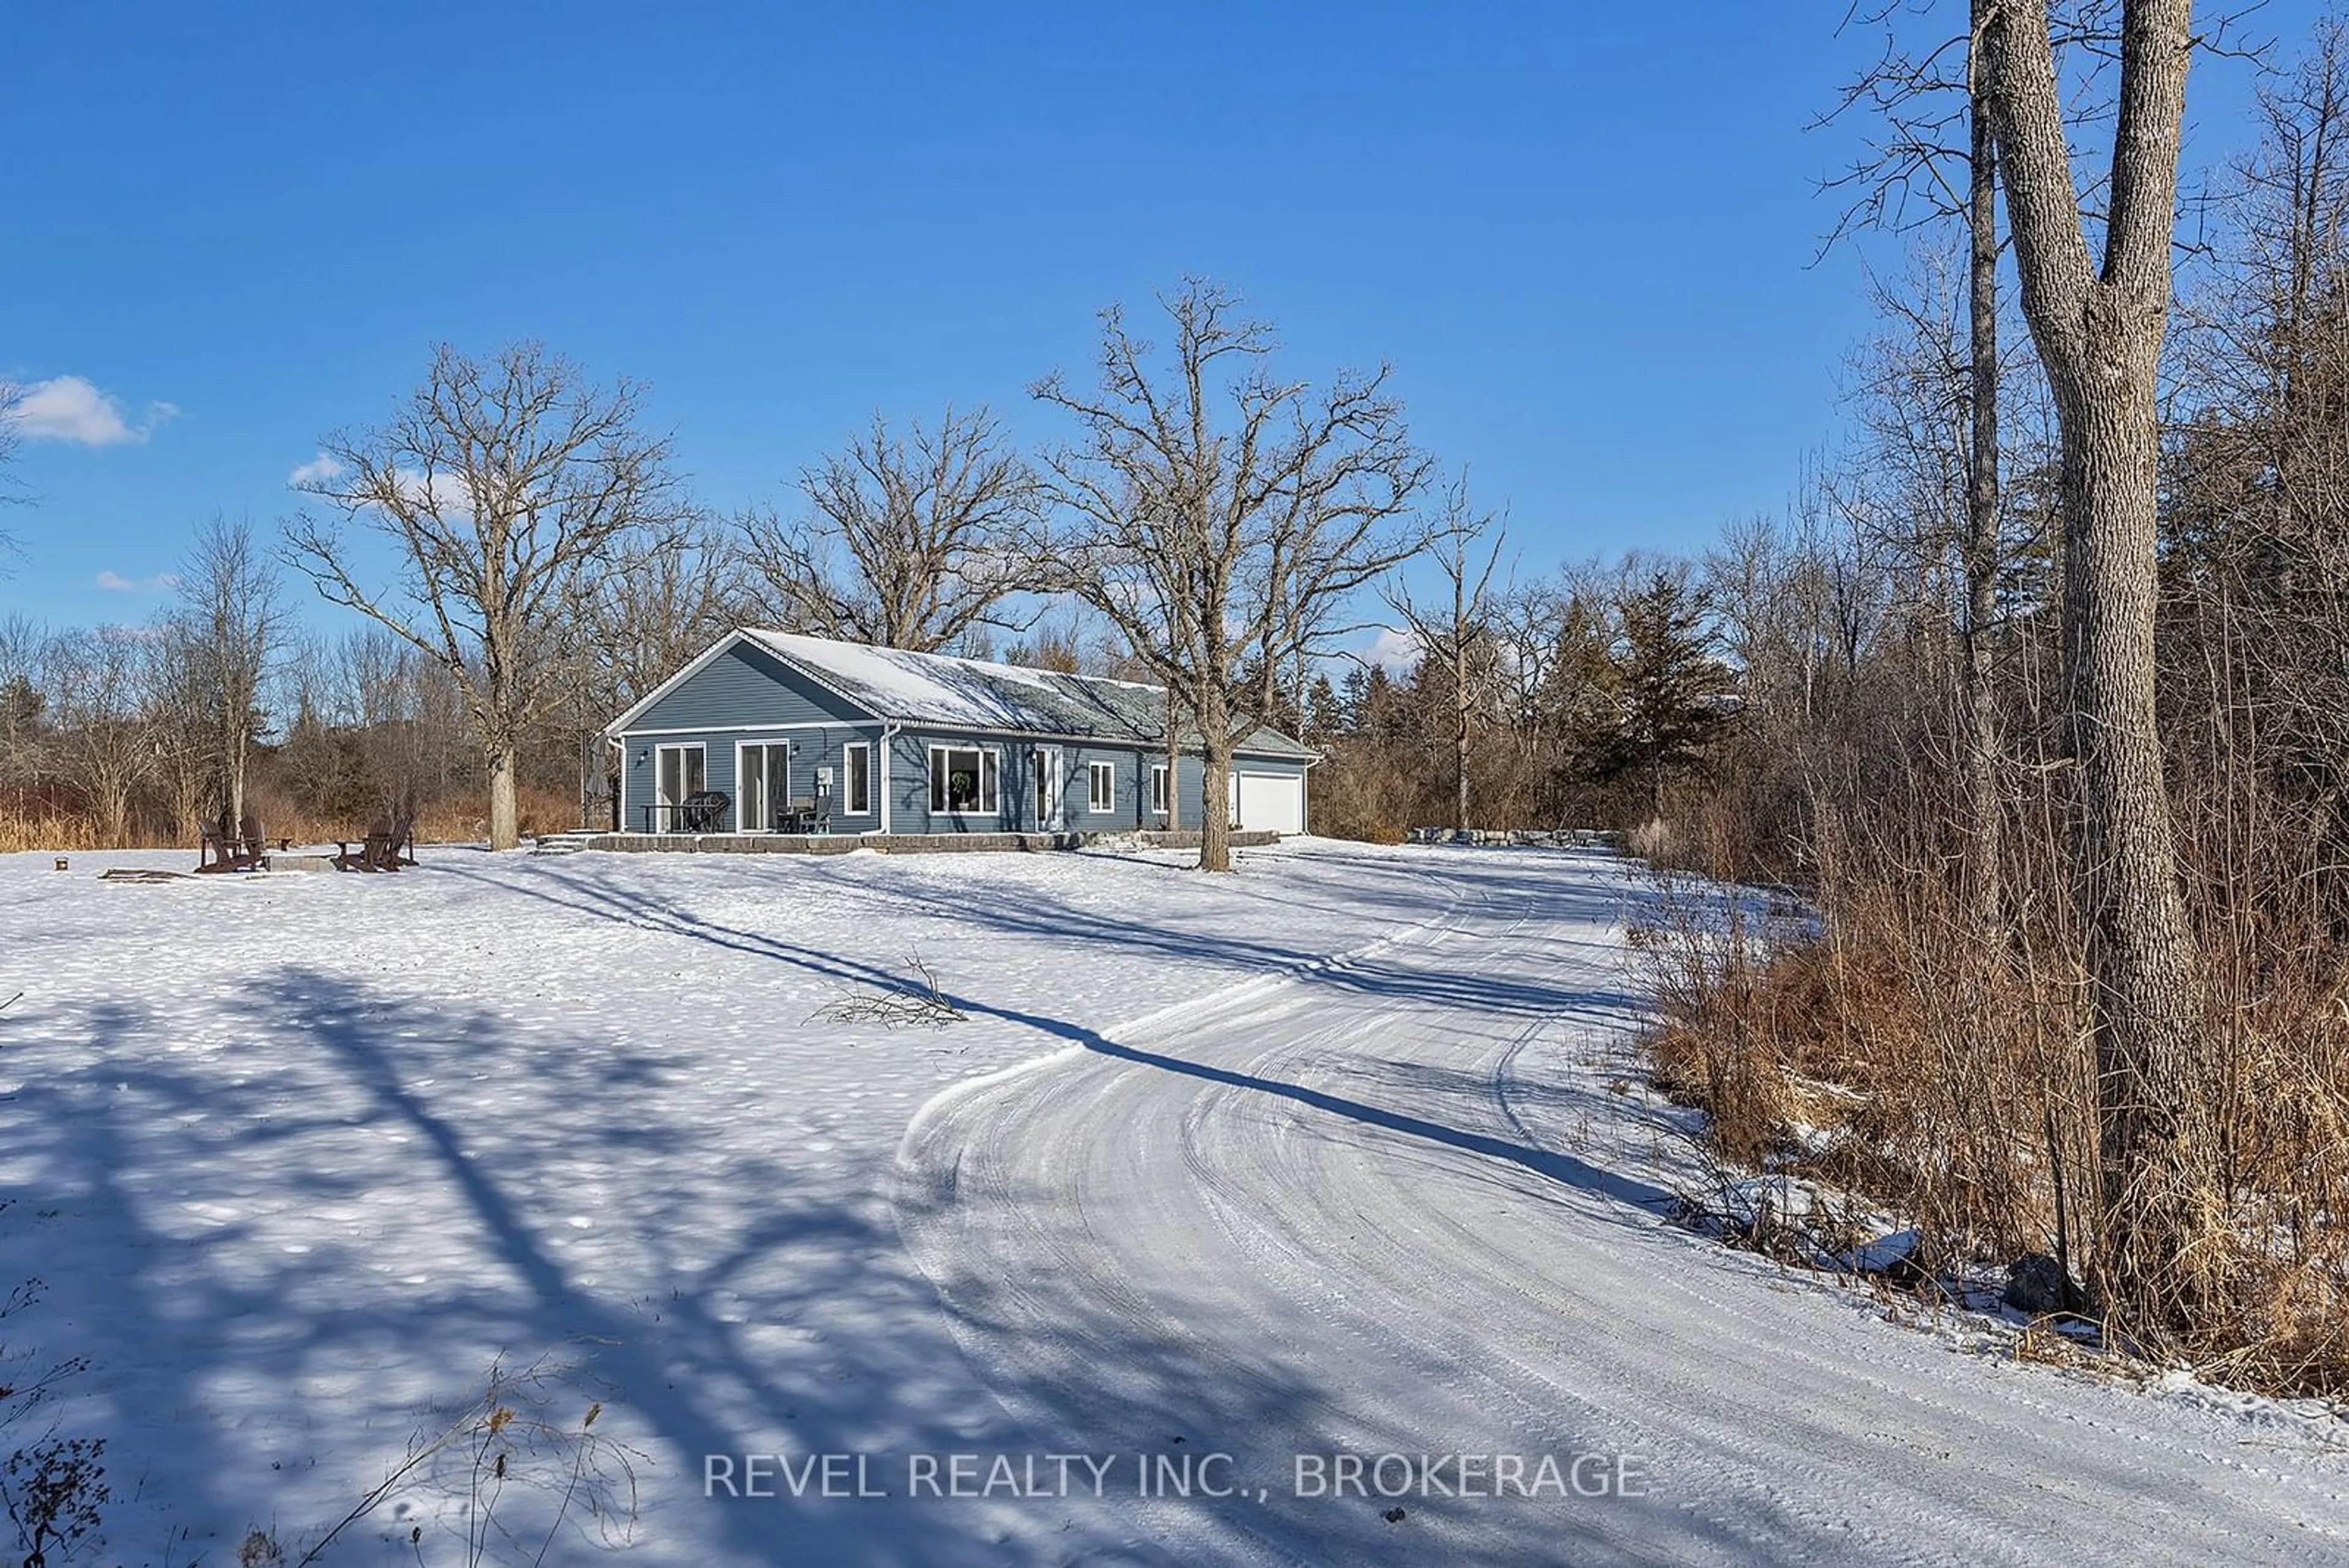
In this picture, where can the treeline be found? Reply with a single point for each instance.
(2044, 715)
(2055, 754)
(219, 705)
(1595, 697)
(527, 563)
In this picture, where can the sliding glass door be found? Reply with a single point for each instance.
(679, 772)
(1047, 762)
(765, 784)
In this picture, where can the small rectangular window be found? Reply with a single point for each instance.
(856, 779)
(1100, 786)
(1158, 789)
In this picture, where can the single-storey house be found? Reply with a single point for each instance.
(801, 733)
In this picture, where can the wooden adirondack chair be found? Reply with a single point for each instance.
(222, 850)
(389, 844)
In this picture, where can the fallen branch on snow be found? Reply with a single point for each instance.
(918, 1000)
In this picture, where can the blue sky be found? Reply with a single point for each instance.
(1582, 234)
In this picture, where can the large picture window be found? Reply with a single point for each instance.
(964, 782)
(1101, 787)
(856, 779)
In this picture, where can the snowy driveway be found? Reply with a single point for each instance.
(1408, 1206)
(1339, 1157)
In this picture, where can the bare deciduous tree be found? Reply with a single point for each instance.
(2098, 321)
(1927, 120)
(1457, 634)
(181, 717)
(229, 624)
(1219, 516)
(93, 679)
(912, 542)
(505, 484)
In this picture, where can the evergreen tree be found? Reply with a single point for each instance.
(1674, 689)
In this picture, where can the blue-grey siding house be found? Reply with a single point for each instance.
(881, 740)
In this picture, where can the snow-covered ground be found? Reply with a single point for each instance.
(1339, 1157)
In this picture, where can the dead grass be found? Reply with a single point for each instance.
(47, 833)
(1887, 1048)
(453, 821)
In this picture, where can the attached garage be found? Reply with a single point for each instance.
(1269, 800)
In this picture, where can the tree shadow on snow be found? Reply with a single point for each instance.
(292, 1254)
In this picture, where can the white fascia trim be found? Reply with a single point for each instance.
(752, 728)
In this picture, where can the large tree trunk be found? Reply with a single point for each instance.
(1460, 694)
(233, 744)
(1214, 788)
(2098, 329)
(1460, 772)
(505, 816)
(1173, 761)
(596, 786)
(1978, 719)
(2144, 1007)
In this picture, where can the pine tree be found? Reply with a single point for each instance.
(1673, 685)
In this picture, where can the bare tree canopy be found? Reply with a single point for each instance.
(670, 593)
(504, 485)
(666, 597)
(1455, 632)
(95, 701)
(911, 541)
(1223, 518)
(11, 395)
(229, 625)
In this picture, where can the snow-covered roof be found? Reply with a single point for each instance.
(937, 689)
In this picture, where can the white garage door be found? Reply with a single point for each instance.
(1272, 801)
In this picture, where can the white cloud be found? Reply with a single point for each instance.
(116, 583)
(1397, 648)
(73, 408)
(445, 493)
(319, 470)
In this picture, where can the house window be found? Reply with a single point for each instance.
(1100, 786)
(963, 781)
(1158, 789)
(856, 779)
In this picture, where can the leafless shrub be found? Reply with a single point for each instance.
(506, 1438)
(56, 1494)
(54, 1488)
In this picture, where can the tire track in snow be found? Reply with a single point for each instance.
(1336, 1210)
